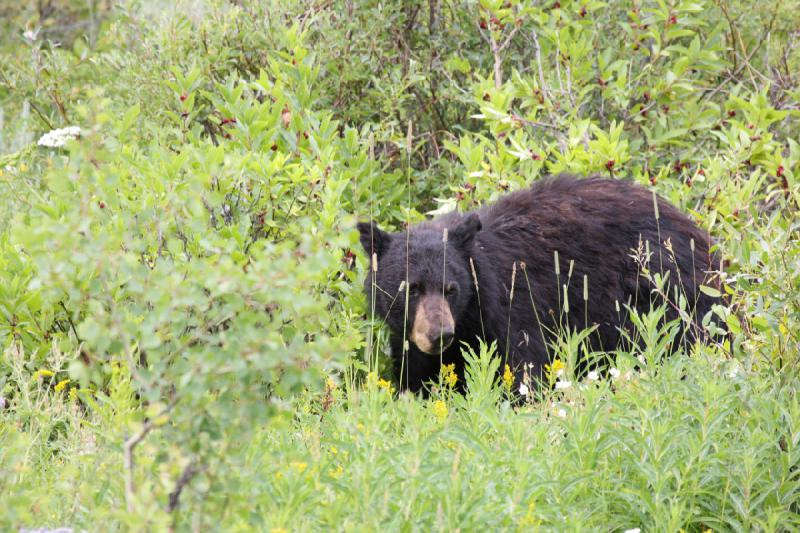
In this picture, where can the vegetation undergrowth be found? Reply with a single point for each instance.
(184, 338)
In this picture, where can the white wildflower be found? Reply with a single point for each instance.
(561, 412)
(614, 372)
(733, 372)
(634, 530)
(523, 389)
(31, 35)
(593, 375)
(58, 138)
(562, 385)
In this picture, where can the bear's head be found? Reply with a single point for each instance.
(429, 268)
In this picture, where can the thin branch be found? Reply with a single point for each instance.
(128, 448)
(497, 51)
(191, 470)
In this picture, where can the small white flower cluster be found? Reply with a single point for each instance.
(58, 138)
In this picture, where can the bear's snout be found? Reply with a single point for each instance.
(433, 329)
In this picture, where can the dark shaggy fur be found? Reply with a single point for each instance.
(595, 222)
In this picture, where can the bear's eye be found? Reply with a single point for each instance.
(414, 289)
(450, 289)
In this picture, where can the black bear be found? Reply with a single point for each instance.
(492, 274)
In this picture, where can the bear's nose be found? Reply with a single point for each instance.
(445, 339)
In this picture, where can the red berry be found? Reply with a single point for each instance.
(184, 96)
(701, 172)
(495, 21)
(102, 204)
(482, 24)
(273, 147)
(610, 164)
(652, 180)
(751, 126)
(557, 5)
(665, 108)
(780, 171)
(673, 19)
(582, 12)
(731, 113)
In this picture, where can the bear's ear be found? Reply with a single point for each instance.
(462, 235)
(373, 239)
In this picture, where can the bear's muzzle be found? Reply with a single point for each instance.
(433, 329)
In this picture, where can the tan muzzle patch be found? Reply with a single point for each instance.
(432, 322)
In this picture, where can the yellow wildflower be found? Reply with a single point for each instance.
(449, 376)
(61, 385)
(440, 410)
(337, 473)
(73, 394)
(330, 384)
(23, 167)
(508, 378)
(530, 520)
(386, 385)
(298, 466)
(277, 530)
(555, 369)
(43, 373)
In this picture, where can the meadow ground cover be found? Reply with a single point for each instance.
(185, 341)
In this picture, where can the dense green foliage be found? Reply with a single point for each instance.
(181, 321)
